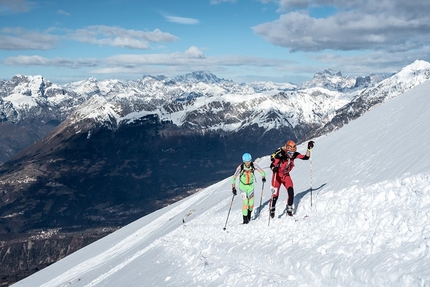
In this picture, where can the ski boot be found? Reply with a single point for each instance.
(245, 219)
(249, 215)
(272, 212)
(289, 210)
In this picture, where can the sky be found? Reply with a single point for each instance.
(365, 223)
(253, 40)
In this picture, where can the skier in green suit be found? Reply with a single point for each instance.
(245, 172)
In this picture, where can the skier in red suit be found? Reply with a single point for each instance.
(282, 163)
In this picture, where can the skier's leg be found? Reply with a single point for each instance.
(250, 202)
(288, 183)
(290, 192)
(276, 185)
(245, 206)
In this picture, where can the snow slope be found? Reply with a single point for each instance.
(369, 223)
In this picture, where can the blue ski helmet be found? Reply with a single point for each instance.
(246, 157)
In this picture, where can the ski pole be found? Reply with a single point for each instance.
(310, 172)
(270, 208)
(261, 199)
(231, 203)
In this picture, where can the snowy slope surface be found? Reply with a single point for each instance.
(368, 224)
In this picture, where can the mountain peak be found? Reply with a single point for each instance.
(417, 71)
(418, 65)
(155, 77)
(329, 73)
(199, 76)
(334, 80)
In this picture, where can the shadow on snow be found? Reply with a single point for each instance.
(297, 199)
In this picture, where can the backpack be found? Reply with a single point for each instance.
(242, 171)
(274, 155)
(280, 155)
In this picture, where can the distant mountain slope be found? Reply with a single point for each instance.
(406, 79)
(368, 225)
(35, 104)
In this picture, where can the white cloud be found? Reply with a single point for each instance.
(46, 62)
(178, 62)
(375, 25)
(10, 6)
(376, 62)
(21, 39)
(119, 37)
(291, 4)
(216, 2)
(195, 52)
(182, 20)
(62, 12)
(191, 57)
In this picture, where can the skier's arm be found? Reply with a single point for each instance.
(235, 175)
(308, 152)
(260, 170)
(304, 156)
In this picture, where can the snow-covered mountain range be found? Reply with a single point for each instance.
(196, 101)
(201, 101)
(99, 154)
(224, 104)
(365, 223)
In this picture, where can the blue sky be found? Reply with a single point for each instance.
(277, 40)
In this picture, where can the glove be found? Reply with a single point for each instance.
(275, 169)
(234, 190)
(264, 179)
(311, 144)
